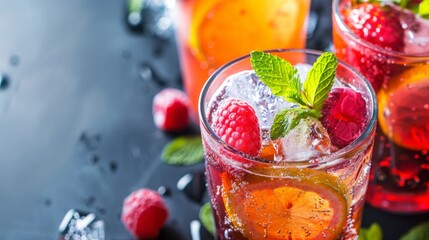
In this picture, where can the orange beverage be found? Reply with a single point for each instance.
(305, 185)
(211, 33)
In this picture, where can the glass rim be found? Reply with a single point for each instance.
(332, 158)
(348, 33)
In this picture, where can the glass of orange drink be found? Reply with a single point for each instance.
(211, 33)
(287, 162)
(389, 45)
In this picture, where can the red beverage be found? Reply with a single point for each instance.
(392, 50)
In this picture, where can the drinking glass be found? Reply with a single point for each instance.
(399, 180)
(318, 197)
(211, 33)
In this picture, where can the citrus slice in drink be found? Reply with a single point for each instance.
(224, 30)
(309, 205)
(404, 108)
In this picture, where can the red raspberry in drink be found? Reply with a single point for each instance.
(378, 25)
(344, 115)
(236, 124)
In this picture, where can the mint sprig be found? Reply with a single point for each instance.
(206, 217)
(419, 232)
(288, 119)
(184, 150)
(273, 71)
(374, 232)
(283, 80)
(319, 80)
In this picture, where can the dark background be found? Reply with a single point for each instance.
(76, 128)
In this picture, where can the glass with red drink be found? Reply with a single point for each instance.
(389, 44)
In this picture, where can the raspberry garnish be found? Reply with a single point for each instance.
(381, 26)
(171, 110)
(236, 124)
(144, 213)
(344, 116)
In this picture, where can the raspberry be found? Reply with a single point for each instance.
(236, 124)
(381, 26)
(344, 116)
(144, 213)
(171, 110)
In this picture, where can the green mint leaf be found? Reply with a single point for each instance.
(183, 151)
(423, 9)
(288, 119)
(206, 217)
(420, 232)
(372, 233)
(279, 75)
(320, 79)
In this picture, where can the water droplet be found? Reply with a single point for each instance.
(94, 159)
(14, 60)
(91, 142)
(228, 233)
(89, 201)
(113, 166)
(48, 202)
(164, 191)
(158, 51)
(134, 19)
(193, 185)
(426, 106)
(148, 74)
(4, 81)
(101, 210)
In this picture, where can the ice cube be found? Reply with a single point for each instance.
(79, 225)
(248, 87)
(306, 141)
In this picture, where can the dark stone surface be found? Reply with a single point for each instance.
(75, 119)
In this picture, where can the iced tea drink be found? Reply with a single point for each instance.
(287, 157)
(211, 33)
(389, 44)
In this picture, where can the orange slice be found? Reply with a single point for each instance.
(310, 205)
(224, 30)
(404, 108)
